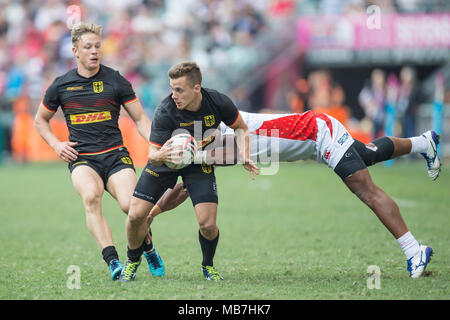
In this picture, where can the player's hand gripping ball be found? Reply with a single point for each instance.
(186, 144)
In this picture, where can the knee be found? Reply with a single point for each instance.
(208, 228)
(368, 195)
(92, 201)
(125, 207)
(136, 217)
(136, 214)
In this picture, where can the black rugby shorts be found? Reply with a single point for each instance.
(350, 163)
(199, 180)
(105, 164)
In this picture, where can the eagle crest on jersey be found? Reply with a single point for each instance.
(98, 86)
(209, 120)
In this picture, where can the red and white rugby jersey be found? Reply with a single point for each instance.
(290, 137)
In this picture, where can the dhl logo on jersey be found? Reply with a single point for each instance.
(90, 117)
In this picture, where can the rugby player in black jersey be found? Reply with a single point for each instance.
(91, 97)
(199, 111)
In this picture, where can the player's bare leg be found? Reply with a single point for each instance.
(208, 236)
(136, 225)
(137, 229)
(361, 184)
(418, 256)
(121, 185)
(90, 187)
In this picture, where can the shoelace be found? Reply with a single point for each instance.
(130, 268)
(213, 273)
(153, 259)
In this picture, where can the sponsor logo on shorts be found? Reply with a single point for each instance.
(90, 117)
(214, 186)
(348, 154)
(344, 138)
(153, 173)
(143, 195)
(327, 155)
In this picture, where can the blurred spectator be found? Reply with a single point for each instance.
(152, 34)
(319, 89)
(298, 97)
(327, 96)
(337, 108)
(410, 96)
(372, 99)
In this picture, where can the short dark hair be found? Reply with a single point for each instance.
(189, 69)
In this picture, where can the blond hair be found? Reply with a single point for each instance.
(81, 28)
(189, 69)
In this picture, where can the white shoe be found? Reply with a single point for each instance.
(417, 264)
(433, 162)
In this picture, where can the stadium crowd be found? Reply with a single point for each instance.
(143, 38)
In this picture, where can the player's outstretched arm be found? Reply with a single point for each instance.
(243, 143)
(224, 154)
(64, 149)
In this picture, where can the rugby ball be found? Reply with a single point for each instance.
(188, 145)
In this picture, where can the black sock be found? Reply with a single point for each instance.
(134, 254)
(109, 253)
(208, 248)
(147, 247)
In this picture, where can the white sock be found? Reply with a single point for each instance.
(409, 245)
(419, 144)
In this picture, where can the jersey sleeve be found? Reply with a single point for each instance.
(51, 99)
(225, 130)
(230, 112)
(125, 92)
(162, 128)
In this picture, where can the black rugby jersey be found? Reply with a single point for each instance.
(169, 120)
(91, 107)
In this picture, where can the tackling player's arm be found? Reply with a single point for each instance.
(243, 143)
(136, 112)
(223, 154)
(64, 149)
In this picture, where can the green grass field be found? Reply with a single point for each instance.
(299, 234)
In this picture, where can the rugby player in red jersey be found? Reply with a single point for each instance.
(311, 135)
